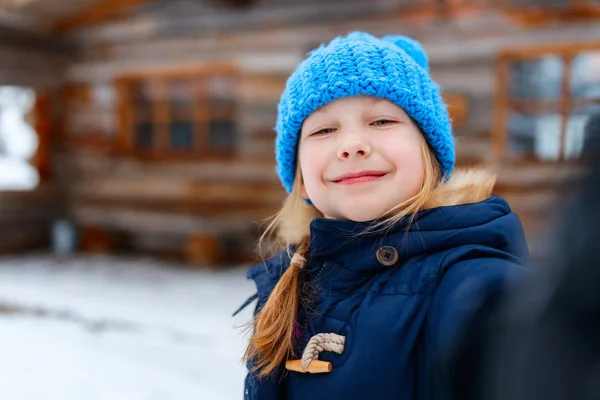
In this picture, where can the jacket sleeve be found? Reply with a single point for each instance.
(463, 316)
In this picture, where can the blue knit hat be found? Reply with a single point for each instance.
(394, 68)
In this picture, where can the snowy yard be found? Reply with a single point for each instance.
(101, 328)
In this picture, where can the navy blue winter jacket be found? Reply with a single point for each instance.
(400, 321)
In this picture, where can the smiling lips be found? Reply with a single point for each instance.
(359, 177)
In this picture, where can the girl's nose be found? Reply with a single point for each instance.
(354, 147)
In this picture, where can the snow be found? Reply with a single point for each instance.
(100, 328)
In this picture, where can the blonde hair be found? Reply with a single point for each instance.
(273, 341)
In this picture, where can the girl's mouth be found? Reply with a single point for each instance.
(359, 177)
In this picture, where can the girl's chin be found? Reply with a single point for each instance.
(358, 215)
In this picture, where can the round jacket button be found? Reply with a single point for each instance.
(387, 255)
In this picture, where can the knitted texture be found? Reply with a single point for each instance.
(394, 68)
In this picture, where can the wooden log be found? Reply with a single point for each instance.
(529, 175)
(44, 195)
(261, 88)
(31, 40)
(261, 62)
(25, 215)
(253, 121)
(177, 190)
(473, 147)
(257, 146)
(29, 60)
(96, 13)
(134, 220)
(19, 77)
(535, 203)
(257, 213)
(98, 166)
(476, 78)
(315, 366)
(203, 249)
(97, 240)
(24, 238)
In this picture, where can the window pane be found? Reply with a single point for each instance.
(182, 93)
(536, 79)
(586, 76)
(181, 135)
(222, 134)
(144, 136)
(221, 86)
(538, 136)
(534, 136)
(221, 92)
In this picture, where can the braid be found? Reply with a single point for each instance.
(273, 341)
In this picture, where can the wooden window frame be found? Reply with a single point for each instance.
(88, 141)
(125, 137)
(504, 104)
(43, 126)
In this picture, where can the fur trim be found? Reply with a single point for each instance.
(465, 186)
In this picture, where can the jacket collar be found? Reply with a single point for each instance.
(330, 236)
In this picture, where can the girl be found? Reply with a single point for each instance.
(387, 259)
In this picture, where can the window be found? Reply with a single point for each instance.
(179, 114)
(18, 139)
(545, 97)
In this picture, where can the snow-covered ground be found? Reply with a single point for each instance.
(104, 328)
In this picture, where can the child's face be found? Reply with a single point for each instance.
(359, 158)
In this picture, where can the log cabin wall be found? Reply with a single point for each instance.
(32, 60)
(178, 204)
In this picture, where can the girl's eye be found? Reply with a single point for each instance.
(382, 122)
(323, 131)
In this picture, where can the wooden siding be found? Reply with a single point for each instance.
(26, 218)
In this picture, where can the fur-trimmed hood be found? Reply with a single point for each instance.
(464, 187)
